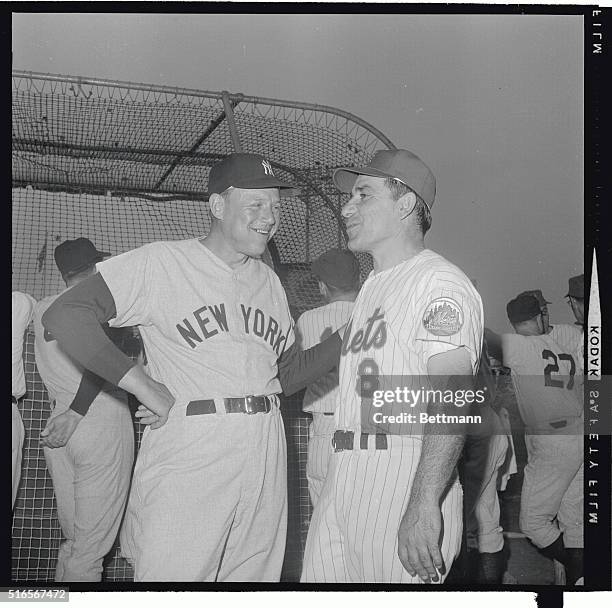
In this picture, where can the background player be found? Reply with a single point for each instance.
(337, 272)
(543, 374)
(391, 506)
(543, 302)
(487, 462)
(209, 495)
(22, 309)
(88, 440)
(575, 296)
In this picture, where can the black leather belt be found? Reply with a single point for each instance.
(233, 405)
(344, 440)
(14, 399)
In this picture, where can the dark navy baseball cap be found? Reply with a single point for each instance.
(523, 308)
(75, 255)
(402, 165)
(245, 170)
(537, 294)
(576, 287)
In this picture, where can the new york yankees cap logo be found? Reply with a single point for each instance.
(246, 170)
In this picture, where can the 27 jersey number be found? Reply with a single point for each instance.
(553, 367)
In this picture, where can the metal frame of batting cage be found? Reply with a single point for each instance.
(162, 169)
(230, 102)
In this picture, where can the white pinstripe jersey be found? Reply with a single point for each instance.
(403, 316)
(311, 328)
(571, 338)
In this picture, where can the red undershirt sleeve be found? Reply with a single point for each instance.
(298, 368)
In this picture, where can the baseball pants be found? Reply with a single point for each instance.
(91, 476)
(353, 532)
(484, 456)
(552, 494)
(319, 452)
(209, 499)
(18, 435)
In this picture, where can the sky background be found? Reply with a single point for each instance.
(492, 103)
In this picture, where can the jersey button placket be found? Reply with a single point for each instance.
(242, 364)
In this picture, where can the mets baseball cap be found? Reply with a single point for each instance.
(523, 308)
(76, 255)
(337, 267)
(537, 294)
(401, 165)
(576, 287)
(244, 170)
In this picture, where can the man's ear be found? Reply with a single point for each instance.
(322, 289)
(406, 204)
(216, 204)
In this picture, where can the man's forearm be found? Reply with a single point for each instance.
(299, 368)
(75, 319)
(88, 390)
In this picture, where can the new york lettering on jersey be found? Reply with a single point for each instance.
(212, 319)
(205, 315)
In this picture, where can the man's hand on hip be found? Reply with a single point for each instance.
(154, 396)
(58, 430)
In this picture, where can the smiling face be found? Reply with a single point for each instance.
(371, 215)
(249, 219)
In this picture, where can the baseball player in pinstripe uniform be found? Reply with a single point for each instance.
(22, 309)
(337, 272)
(391, 506)
(88, 446)
(544, 374)
(209, 498)
(487, 458)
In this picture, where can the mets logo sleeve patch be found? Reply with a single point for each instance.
(443, 317)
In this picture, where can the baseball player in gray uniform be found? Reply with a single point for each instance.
(391, 507)
(88, 443)
(209, 499)
(544, 375)
(543, 302)
(337, 271)
(575, 296)
(22, 309)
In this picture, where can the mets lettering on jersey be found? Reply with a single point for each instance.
(321, 396)
(210, 332)
(402, 316)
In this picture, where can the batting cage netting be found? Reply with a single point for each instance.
(125, 164)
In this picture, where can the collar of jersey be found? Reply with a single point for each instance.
(218, 261)
(408, 263)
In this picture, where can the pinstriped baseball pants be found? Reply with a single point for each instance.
(353, 532)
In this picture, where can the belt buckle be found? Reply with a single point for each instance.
(249, 404)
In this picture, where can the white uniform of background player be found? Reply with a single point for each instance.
(22, 309)
(488, 460)
(91, 473)
(544, 377)
(376, 521)
(338, 274)
(209, 497)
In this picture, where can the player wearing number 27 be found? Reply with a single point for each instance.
(391, 507)
(543, 374)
